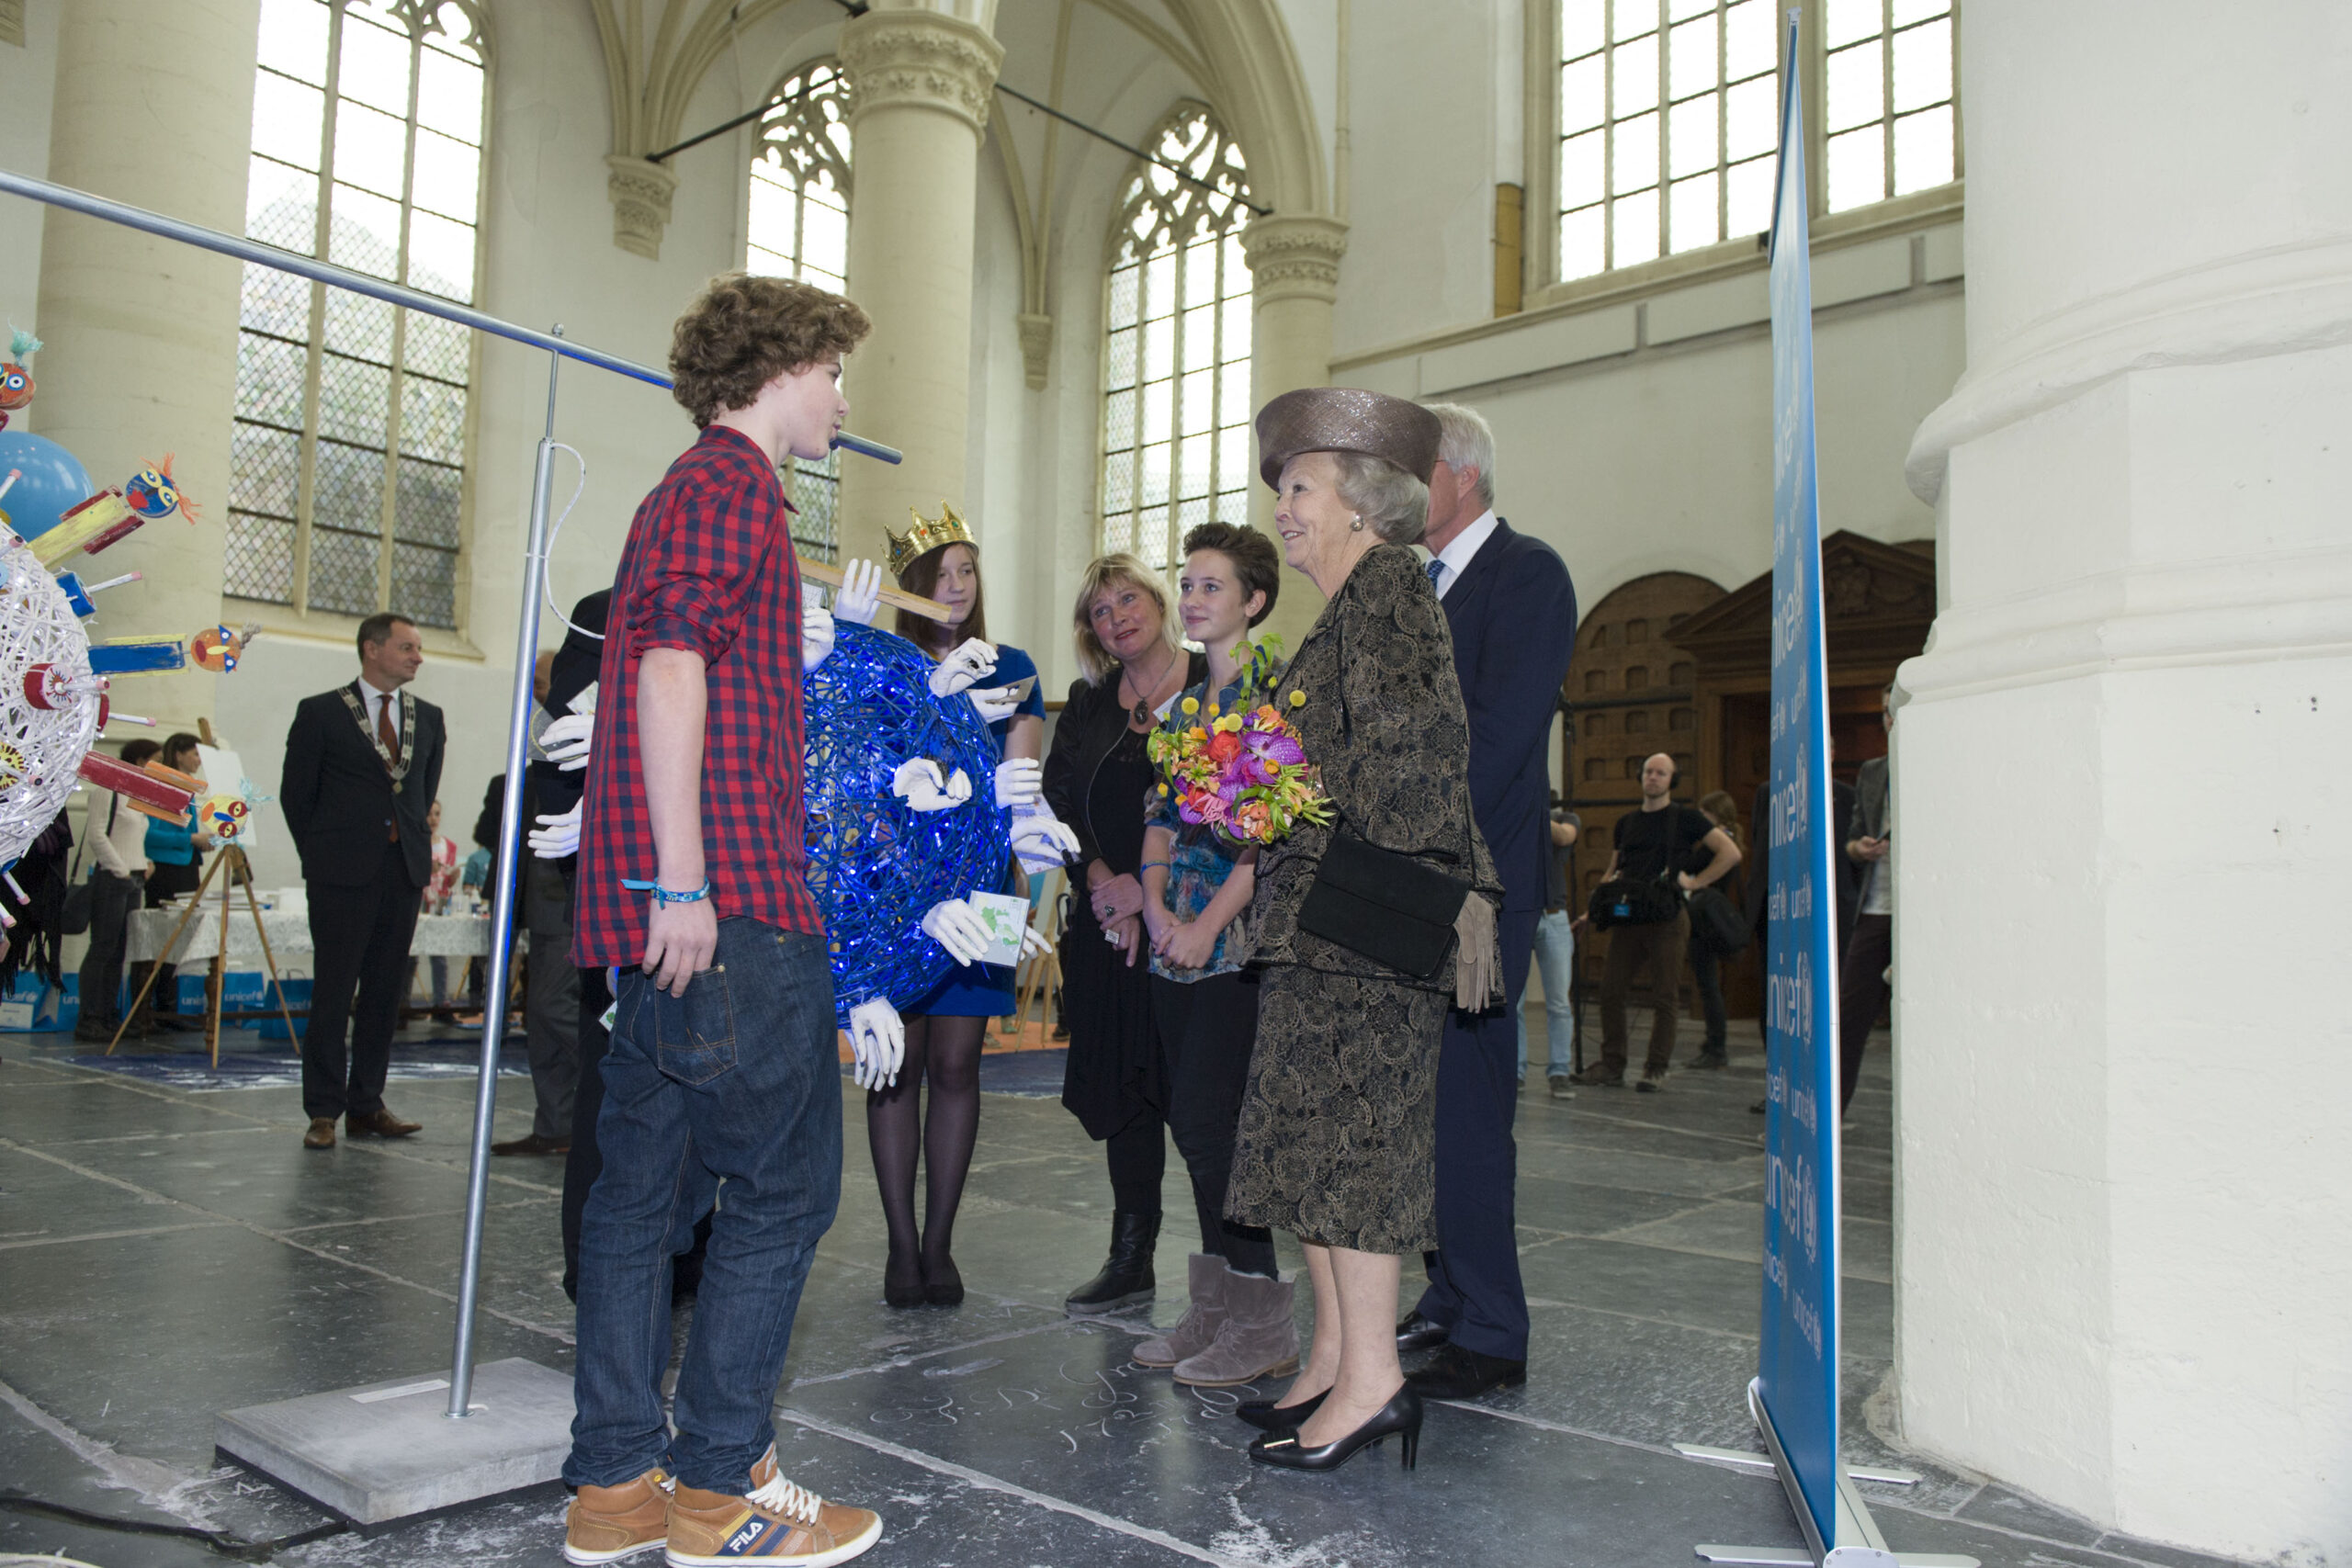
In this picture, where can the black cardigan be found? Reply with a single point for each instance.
(1091, 721)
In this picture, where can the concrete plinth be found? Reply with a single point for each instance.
(390, 1449)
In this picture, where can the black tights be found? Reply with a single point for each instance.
(947, 1052)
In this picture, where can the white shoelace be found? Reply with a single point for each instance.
(782, 1496)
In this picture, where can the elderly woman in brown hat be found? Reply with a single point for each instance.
(1367, 928)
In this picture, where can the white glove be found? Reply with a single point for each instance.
(557, 837)
(816, 639)
(1043, 843)
(917, 782)
(565, 741)
(994, 702)
(961, 668)
(1019, 782)
(878, 1039)
(859, 597)
(955, 926)
(1033, 942)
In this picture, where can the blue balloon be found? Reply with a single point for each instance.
(53, 482)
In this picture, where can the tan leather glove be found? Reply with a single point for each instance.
(1477, 956)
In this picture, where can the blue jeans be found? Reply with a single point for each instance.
(737, 1082)
(1556, 955)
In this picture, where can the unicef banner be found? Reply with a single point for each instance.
(1797, 1371)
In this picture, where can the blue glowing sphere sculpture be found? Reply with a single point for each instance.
(876, 865)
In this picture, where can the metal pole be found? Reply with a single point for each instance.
(506, 886)
(237, 245)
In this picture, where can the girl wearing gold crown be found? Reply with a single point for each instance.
(939, 560)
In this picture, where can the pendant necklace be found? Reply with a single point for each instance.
(1144, 716)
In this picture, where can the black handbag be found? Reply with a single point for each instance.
(82, 895)
(1629, 901)
(1390, 908)
(1718, 925)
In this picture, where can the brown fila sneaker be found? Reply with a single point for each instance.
(609, 1523)
(776, 1522)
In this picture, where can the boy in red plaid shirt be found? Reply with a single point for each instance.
(693, 883)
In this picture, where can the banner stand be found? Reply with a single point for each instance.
(1796, 1396)
(1860, 1544)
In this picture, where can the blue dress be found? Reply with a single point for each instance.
(985, 991)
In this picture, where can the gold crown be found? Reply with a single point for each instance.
(925, 536)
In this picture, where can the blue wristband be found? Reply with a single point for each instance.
(662, 894)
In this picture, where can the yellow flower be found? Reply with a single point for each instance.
(1230, 724)
(1192, 705)
(1211, 710)
(1299, 699)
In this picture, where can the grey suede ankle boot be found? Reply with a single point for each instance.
(1258, 1339)
(1197, 1330)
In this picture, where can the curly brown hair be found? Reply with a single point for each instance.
(743, 331)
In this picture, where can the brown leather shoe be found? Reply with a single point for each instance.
(605, 1524)
(321, 1133)
(377, 1123)
(774, 1521)
(534, 1145)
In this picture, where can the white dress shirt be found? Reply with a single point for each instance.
(382, 707)
(1455, 557)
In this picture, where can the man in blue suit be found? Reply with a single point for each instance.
(1514, 614)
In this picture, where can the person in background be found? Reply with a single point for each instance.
(363, 763)
(1868, 951)
(550, 983)
(117, 840)
(1237, 1326)
(175, 869)
(437, 893)
(944, 1028)
(1097, 780)
(1653, 845)
(1706, 965)
(1556, 955)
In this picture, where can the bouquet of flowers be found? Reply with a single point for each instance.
(1242, 772)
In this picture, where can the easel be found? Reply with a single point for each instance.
(241, 875)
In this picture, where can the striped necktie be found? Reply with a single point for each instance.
(1437, 571)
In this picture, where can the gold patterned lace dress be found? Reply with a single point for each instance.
(1337, 1136)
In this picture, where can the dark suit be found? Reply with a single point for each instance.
(1513, 614)
(1868, 944)
(366, 858)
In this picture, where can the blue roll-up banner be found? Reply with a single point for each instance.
(1797, 1364)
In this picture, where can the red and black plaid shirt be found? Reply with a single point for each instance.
(708, 567)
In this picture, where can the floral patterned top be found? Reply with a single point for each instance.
(1199, 862)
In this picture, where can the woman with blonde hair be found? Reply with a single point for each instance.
(1097, 780)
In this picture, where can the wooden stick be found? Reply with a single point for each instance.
(897, 598)
(217, 990)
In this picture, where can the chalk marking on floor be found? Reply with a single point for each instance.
(157, 1484)
(899, 1361)
(988, 1482)
(549, 1330)
(113, 1236)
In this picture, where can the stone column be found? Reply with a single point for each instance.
(1295, 276)
(154, 107)
(2121, 788)
(919, 77)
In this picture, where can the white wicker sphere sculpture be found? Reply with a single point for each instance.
(40, 747)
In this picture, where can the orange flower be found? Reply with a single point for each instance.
(1224, 747)
(1252, 818)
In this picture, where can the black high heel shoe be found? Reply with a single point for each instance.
(1402, 1415)
(900, 1290)
(1268, 1417)
(943, 1285)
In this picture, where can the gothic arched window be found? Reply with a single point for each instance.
(798, 227)
(347, 488)
(1176, 445)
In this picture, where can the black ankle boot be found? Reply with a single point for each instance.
(1125, 1280)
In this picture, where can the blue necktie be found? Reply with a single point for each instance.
(1436, 570)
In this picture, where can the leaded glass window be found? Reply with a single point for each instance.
(799, 228)
(347, 485)
(1176, 443)
(1668, 119)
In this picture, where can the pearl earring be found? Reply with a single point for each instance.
(1355, 523)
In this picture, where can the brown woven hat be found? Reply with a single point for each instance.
(1345, 419)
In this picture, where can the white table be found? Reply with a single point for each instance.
(437, 936)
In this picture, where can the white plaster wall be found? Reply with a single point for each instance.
(1420, 205)
(28, 89)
